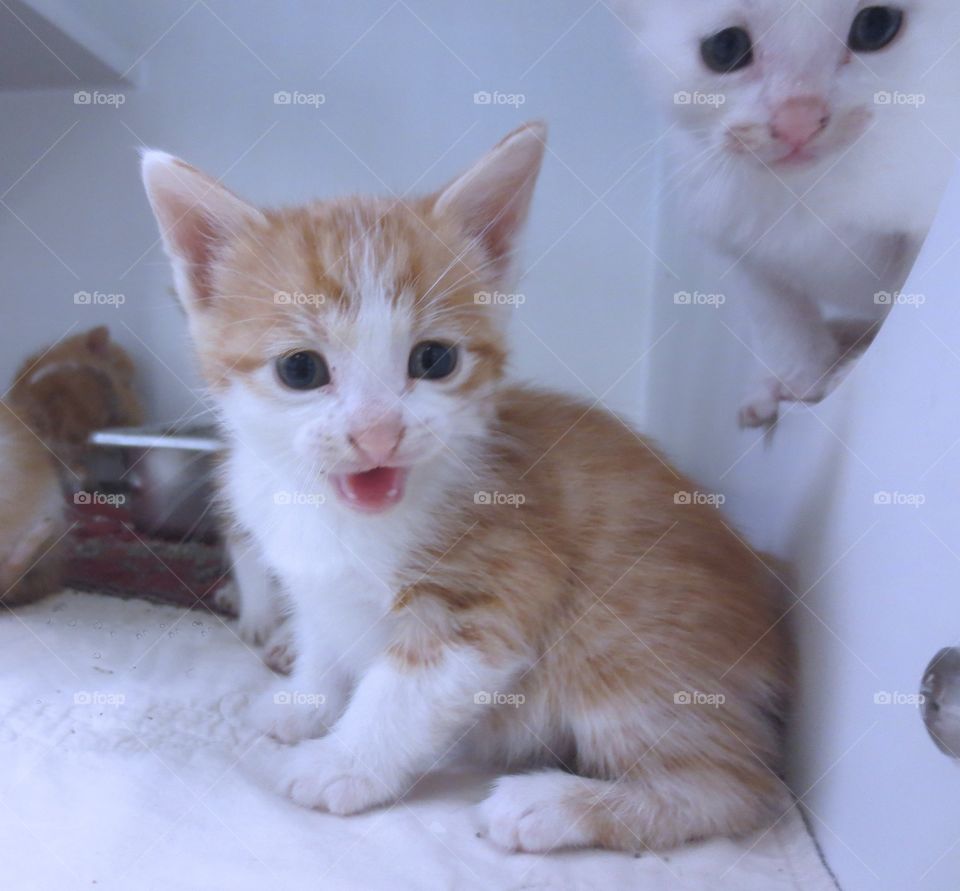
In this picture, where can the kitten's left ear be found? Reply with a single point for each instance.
(196, 216)
(98, 340)
(491, 200)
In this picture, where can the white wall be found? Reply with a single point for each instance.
(874, 585)
(399, 80)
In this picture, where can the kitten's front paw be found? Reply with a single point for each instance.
(324, 775)
(279, 651)
(526, 813)
(762, 408)
(289, 716)
(254, 623)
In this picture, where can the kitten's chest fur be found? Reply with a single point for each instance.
(840, 233)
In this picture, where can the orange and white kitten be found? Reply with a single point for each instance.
(468, 562)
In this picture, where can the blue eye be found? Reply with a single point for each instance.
(875, 28)
(728, 50)
(432, 360)
(303, 370)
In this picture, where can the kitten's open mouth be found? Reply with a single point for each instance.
(372, 491)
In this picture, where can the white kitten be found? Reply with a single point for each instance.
(815, 141)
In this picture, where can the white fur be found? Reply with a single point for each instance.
(820, 239)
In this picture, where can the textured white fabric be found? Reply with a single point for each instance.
(119, 754)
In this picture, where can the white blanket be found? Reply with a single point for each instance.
(118, 770)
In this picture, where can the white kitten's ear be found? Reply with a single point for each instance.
(195, 215)
(491, 200)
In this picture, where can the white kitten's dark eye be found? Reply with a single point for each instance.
(728, 50)
(875, 28)
(432, 360)
(304, 370)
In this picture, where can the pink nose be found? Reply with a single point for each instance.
(798, 120)
(378, 442)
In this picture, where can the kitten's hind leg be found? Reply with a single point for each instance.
(662, 809)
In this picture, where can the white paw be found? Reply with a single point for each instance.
(324, 775)
(227, 598)
(527, 813)
(256, 627)
(762, 407)
(279, 652)
(289, 716)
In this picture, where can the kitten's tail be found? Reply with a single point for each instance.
(540, 812)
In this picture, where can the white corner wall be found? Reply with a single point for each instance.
(398, 82)
(875, 584)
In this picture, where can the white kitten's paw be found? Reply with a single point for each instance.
(323, 775)
(761, 409)
(527, 813)
(289, 716)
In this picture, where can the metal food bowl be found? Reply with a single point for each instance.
(167, 473)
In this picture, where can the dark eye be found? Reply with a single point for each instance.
(432, 360)
(304, 370)
(728, 50)
(875, 28)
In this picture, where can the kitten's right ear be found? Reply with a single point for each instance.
(196, 215)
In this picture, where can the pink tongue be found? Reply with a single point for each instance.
(374, 490)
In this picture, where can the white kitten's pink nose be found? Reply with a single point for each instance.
(798, 120)
(379, 441)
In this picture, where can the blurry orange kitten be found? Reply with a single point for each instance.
(59, 397)
(81, 384)
(33, 514)
(468, 562)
